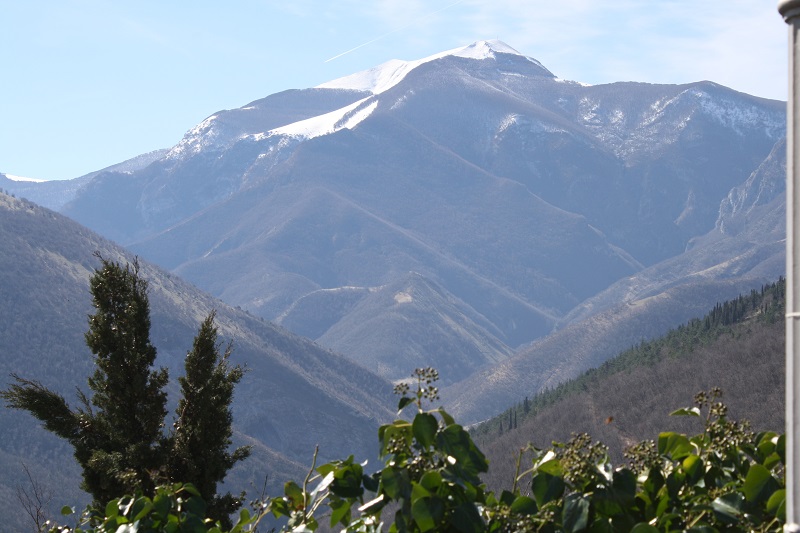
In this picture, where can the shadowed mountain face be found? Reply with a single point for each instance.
(293, 396)
(746, 248)
(513, 196)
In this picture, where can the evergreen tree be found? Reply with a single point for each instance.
(203, 431)
(128, 393)
(118, 444)
(118, 435)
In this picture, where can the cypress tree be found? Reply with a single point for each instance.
(118, 435)
(128, 393)
(117, 444)
(203, 427)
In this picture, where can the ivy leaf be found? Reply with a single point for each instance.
(546, 487)
(424, 428)
(427, 513)
(776, 504)
(728, 508)
(448, 420)
(693, 467)
(467, 519)
(576, 513)
(394, 483)
(673, 444)
(294, 493)
(404, 401)
(112, 509)
(524, 505)
(692, 411)
(340, 512)
(759, 484)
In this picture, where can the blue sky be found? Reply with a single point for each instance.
(89, 83)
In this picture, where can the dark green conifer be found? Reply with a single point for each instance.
(118, 434)
(203, 431)
(119, 445)
(128, 393)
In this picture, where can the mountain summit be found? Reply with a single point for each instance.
(471, 191)
(383, 77)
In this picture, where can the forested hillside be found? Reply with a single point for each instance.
(738, 346)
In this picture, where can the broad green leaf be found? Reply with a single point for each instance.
(524, 505)
(546, 487)
(340, 511)
(446, 418)
(394, 482)
(162, 504)
(693, 467)
(294, 493)
(112, 508)
(431, 480)
(404, 401)
(776, 504)
(624, 484)
(141, 508)
(759, 484)
(279, 507)
(576, 513)
(427, 513)
(767, 444)
(728, 508)
(424, 428)
(195, 506)
(456, 442)
(371, 483)
(347, 481)
(675, 445)
(552, 467)
(418, 491)
(692, 411)
(67, 510)
(191, 489)
(467, 519)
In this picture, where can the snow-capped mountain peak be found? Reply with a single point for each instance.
(386, 75)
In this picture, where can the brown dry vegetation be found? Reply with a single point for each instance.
(747, 362)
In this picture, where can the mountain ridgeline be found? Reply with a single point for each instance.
(473, 191)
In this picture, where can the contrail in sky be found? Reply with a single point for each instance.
(393, 31)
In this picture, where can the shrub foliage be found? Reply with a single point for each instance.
(725, 478)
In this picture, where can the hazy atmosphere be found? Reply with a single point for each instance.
(533, 224)
(90, 83)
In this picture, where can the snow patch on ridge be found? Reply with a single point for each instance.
(385, 76)
(21, 178)
(345, 118)
(196, 139)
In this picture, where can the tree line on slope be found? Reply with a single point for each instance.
(766, 305)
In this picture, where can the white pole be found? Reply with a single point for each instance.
(790, 9)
